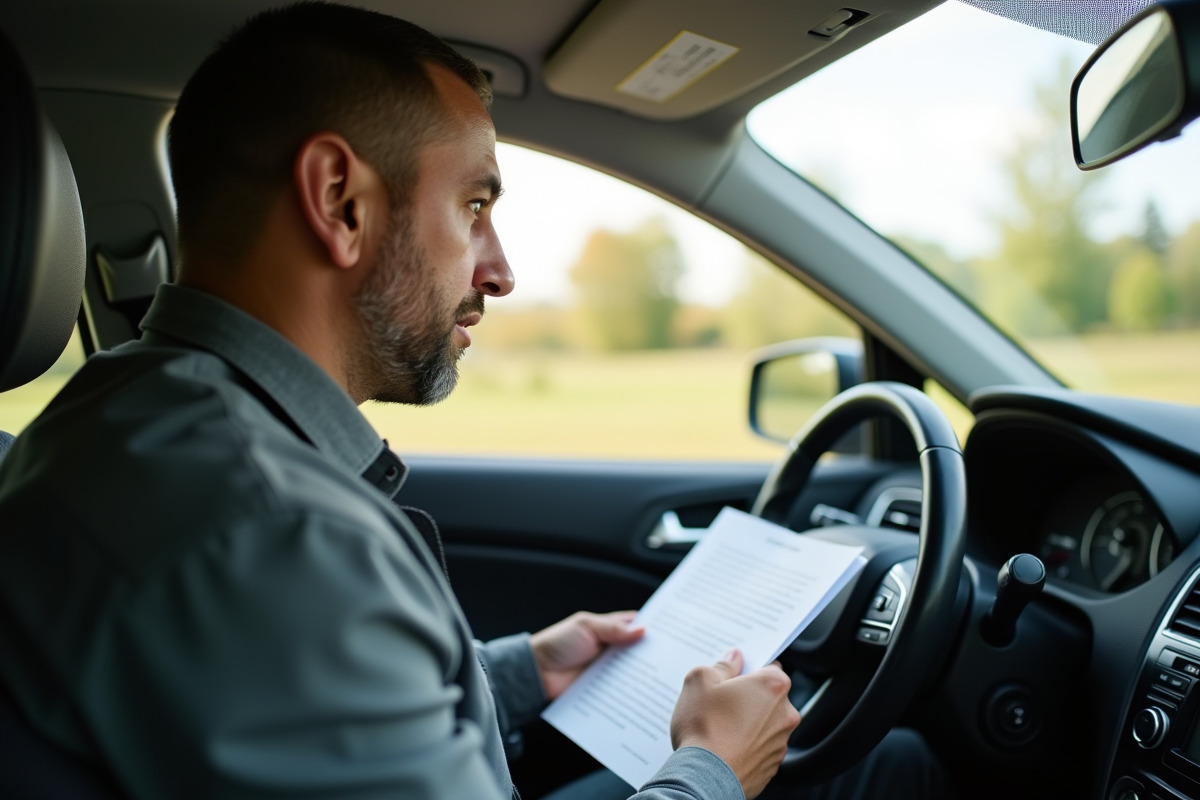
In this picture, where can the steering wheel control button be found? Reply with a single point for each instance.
(1171, 684)
(1187, 667)
(1150, 727)
(873, 635)
(883, 606)
(1012, 716)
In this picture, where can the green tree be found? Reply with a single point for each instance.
(626, 284)
(1138, 298)
(1044, 239)
(772, 307)
(1183, 274)
(1154, 232)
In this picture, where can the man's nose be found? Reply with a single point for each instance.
(492, 274)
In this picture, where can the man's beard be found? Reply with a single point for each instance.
(409, 354)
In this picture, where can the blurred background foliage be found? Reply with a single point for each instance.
(1052, 273)
(625, 298)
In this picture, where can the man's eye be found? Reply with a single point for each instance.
(476, 205)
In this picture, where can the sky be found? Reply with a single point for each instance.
(908, 133)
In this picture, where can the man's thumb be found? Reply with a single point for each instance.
(730, 664)
(614, 630)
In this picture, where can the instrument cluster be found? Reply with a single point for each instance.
(1104, 536)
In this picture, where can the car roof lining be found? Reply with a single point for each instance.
(147, 48)
(580, 50)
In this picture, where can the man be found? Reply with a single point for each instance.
(207, 589)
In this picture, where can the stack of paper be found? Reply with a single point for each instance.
(748, 584)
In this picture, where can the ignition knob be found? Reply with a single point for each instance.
(1150, 727)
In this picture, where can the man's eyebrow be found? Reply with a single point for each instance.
(489, 183)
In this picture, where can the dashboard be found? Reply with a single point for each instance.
(1087, 505)
(1106, 491)
(1101, 533)
(1097, 692)
(1107, 505)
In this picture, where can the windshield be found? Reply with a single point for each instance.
(950, 136)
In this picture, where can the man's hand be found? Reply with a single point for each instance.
(744, 719)
(563, 650)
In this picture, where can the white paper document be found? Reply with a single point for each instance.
(748, 584)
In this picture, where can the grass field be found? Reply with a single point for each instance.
(666, 404)
(682, 404)
(1162, 366)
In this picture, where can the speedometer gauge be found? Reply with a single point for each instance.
(1124, 543)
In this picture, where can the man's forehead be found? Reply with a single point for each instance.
(459, 100)
(465, 153)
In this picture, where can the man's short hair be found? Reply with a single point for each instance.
(283, 76)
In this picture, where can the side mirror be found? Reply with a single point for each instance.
(1142, 85)
(790, 381)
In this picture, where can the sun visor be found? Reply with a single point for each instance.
(670, 59)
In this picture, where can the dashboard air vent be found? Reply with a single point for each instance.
(903, 514)
(897, 507)
(1186, 621)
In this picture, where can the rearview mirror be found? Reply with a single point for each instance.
(1139, 87)
(792, 380)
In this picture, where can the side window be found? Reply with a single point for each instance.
(19, 406)
(959, 415)
(628, 334)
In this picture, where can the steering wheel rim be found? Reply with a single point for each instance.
(925, 624)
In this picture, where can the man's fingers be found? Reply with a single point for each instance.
(730, 665)
(744, 719)
(614, 628)
(774, 677)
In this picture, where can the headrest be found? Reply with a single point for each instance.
(42, 249)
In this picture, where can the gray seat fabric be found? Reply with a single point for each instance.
(42, 261)
(42, 249)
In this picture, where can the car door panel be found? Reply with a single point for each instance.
(530, 541)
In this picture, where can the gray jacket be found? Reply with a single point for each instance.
(199, 590)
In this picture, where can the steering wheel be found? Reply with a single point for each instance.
(863, 695)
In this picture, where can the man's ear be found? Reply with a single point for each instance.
(338, 193)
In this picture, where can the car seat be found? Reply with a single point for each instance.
(42, 251)
(42, 262)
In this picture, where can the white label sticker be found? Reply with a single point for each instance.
(686, 59)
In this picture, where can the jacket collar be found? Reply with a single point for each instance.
(315, 405)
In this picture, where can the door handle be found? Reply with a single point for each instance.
(670, 531)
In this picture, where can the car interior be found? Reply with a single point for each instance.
(1040, 622)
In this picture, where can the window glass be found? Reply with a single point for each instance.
(950, 136)
(961, 419)
(628, 334)
(19, 406)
